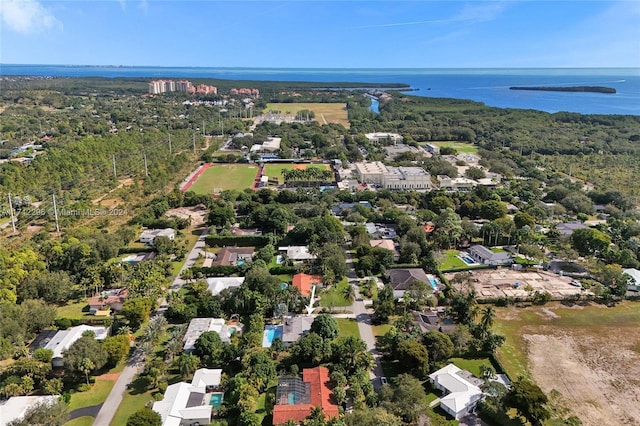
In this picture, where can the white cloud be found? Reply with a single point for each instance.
(27, 16)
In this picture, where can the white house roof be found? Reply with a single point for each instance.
(634, 274)
(63, 339)
(182, 401)
(15, 407)
(206, 377)
(298, 252)
(216, 285)
(197, 326)
(461, 392)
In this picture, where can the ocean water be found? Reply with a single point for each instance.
(490, 86)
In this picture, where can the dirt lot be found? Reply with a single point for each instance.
(589, 354)
(492, 284)
(598, 377)
(198, 214)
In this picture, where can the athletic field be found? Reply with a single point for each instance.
(220, 177)
(461, 147)
(324, 112)
(273, 170)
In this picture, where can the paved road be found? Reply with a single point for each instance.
(135, 364)
(363, 317)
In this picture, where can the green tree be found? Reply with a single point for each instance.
(43, 355)
(349, 293)
(209, 348)
(117, 347)
(413, 355)
(439, 345)
(590, 241)
(325, 326)
(384, 307)
(85, 348)
(405, 398)
(530, 401)
(187, 364)
(136, 310)
(44, 413)
(145, 417)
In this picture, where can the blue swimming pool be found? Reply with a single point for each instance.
(433, 282)
(216, 399)
(240, 262)
(468, 260)
(279, 260)
(270, 333)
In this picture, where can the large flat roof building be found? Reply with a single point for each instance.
(376, 173)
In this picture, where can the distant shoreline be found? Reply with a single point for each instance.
(590, 89)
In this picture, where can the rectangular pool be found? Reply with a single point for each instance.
(216, 399)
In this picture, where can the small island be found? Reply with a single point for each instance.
(593, 89)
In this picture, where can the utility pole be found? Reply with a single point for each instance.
(146, 169)
(13, 219)
(115, 174)
(55, 213)
(194, 143)
(170, 150)
(203, 133)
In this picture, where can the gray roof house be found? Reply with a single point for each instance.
(483, 255)
(401, 279)
(294, 328)
(569, 227)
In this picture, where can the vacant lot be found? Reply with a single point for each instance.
(220, 177)
(197, 214)
(273, 170)
(590, 354)
(324, 113)
(504, 282)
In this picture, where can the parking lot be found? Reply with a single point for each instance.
(492, 284)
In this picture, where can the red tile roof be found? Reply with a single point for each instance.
(320, 396)
(303, 282)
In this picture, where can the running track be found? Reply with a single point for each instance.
(195, 177)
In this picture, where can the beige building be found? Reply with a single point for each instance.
(376, 173)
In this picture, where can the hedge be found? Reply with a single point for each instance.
(282, 270)
(237, 241)
(215, 271)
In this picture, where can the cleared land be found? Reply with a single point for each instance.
(461, 147)
(273, 170)
(590, 354)
(220, 177)
(324, 112)
(197, 214)
(493, 284)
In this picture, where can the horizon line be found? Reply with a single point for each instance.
(320, 68)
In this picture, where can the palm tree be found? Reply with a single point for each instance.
(349, 293)
(487, 319)
(86, 366)
(187, 364)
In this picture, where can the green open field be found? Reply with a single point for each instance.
(220, 177)
(334, 297)
(273, 170)
(324, 112)
(461, 147)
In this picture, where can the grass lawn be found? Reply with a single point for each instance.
(273, 170)
(497, 250)
(190, 236)
(74, 310)
(451, 261)
(129, 405)
(219, 177)
(471, 365)
(334, 295)
(96, 395)
(381, 330)
(332, 112)
(80, 421)
(348, 327)
(461, 147)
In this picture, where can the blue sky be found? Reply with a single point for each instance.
(304, 33)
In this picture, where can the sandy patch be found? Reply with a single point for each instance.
(109, 376)
(547, 313)
(198, 214)
(598, 376)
